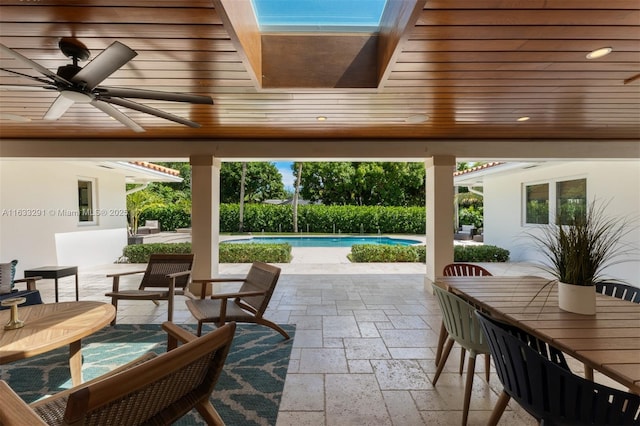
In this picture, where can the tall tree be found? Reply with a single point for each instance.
(364, 183)
(296, 194)
(242, 183)
(263, 181)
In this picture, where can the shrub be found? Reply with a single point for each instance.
(140, 253)
(480, 253)
(383, 253)
(247, 253)
(229, 253)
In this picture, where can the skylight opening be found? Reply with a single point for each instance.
(318, 15)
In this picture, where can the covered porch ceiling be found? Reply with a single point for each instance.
(440, 77)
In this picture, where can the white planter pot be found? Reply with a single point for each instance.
(578, 299)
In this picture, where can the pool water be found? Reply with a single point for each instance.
(327, 241)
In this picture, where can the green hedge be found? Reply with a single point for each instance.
(139, 253)
(480, 253)
(247, 253)
(229, 253)
(311, 218)
(385, 253)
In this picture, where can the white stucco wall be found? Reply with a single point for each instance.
(614, 182)
(35, 227)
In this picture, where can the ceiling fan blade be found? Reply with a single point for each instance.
(24, 87)
(116, 114)
(31, 77)
(36, 66)
(125, 92)
(58, 108)
(153, 111)
(103, 65)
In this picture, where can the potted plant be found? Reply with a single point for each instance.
(578, 252)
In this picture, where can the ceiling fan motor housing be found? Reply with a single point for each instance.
(68, 71)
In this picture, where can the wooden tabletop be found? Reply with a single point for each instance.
(608, 341)
(50, 326)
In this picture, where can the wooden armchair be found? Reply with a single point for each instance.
(165, 276)
(247, 305)
(154, 389)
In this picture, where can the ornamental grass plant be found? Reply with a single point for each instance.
(579, 252)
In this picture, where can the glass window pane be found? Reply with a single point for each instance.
(85, 201)
(537, 199)
(571, 200)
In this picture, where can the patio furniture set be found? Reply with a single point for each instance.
(504, 318)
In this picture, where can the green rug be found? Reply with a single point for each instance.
(248, 392)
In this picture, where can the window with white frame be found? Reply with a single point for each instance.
(571, 200)
(86, 200)
(537, 203)
(568, 198)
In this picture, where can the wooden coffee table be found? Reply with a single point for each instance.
(50, 326)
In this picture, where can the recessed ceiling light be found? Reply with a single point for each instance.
(321, 118)
(417, 118)
(524, 118)
(599, 53)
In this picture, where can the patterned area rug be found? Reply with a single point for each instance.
(248, 392)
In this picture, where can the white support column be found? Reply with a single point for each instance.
(205, 215)
(439, 203)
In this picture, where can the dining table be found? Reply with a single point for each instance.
(608, 341)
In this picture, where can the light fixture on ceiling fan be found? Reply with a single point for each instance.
(82, 84)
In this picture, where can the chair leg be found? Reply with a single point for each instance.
(468, 387)
(487, 366)
(274, 326)
(441, 339)
(496, 414)
(169, 308)
(114, 302)
(209, 414)
(463, 353)
(443, 360)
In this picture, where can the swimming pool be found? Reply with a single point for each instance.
(327, 241)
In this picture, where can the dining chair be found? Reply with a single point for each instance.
(461, 269)
(463, 328)
(153, 389)
(247, 305)
(619, 290)
(165, 276)
(536, 376)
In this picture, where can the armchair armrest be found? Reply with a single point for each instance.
(31, 282)
(119, 274)
(236, 295)
(178, 274)
(176, 334)
(204, 283)
(14, 411)
(116, 278)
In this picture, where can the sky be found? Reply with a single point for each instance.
(284, 167)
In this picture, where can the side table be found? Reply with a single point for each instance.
(54, 272)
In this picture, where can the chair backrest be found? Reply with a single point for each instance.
(619, 290)
(261, 277)
(158, 391)
(546, 389)
(460, 321)
(160, 265)
(465, 270)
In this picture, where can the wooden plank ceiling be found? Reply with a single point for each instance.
(467, 69)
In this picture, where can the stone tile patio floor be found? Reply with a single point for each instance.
(364, 346)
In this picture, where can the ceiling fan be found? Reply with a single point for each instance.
(82, 84)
